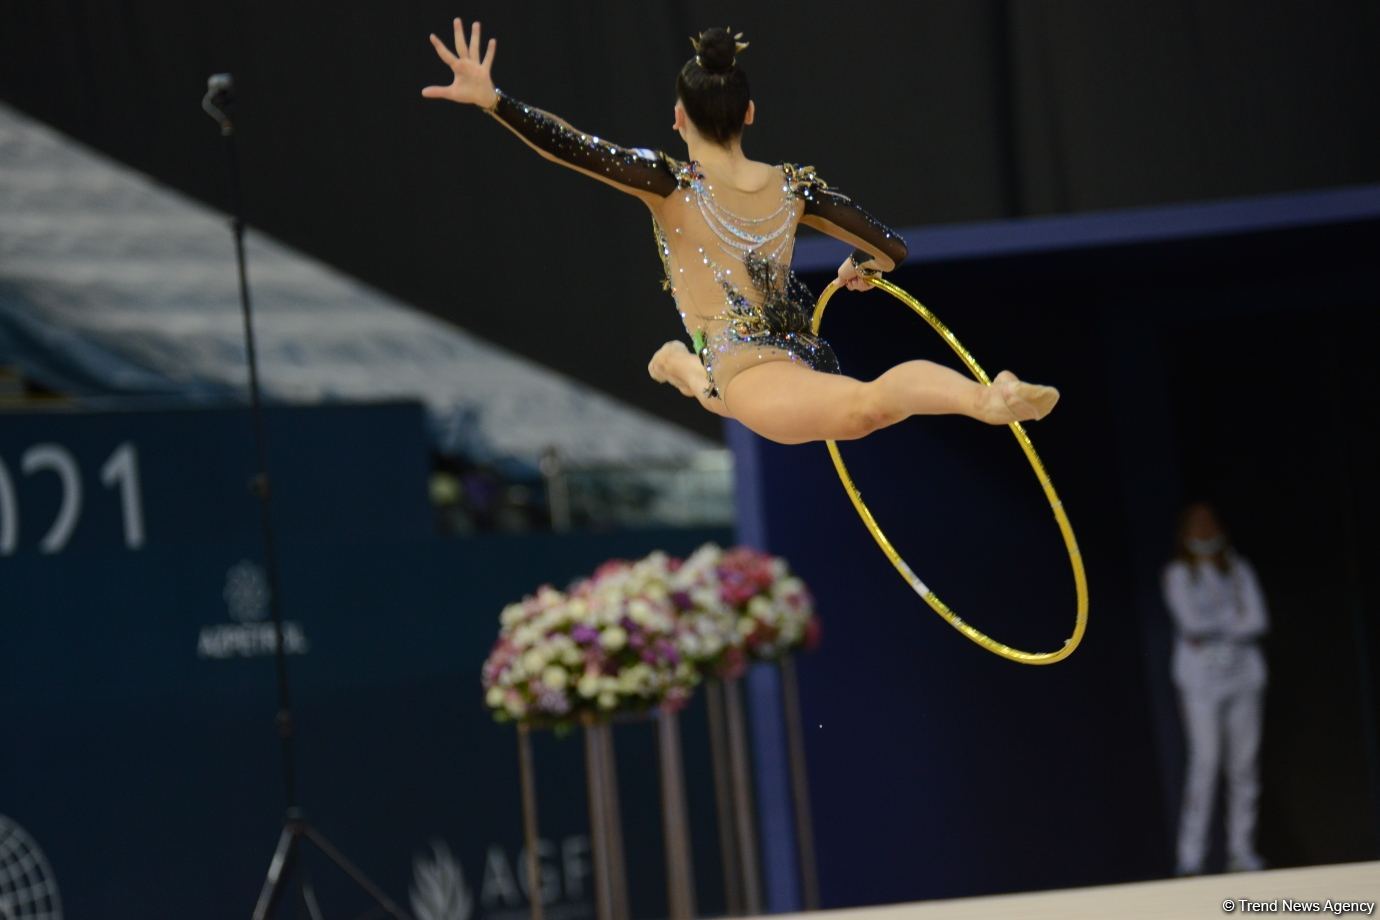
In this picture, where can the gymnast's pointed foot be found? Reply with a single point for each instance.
(1009, 399)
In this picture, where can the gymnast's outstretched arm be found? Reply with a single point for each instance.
(643, 173)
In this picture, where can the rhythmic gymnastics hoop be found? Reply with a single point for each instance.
(1080, 579)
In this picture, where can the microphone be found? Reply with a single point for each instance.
(220, 94)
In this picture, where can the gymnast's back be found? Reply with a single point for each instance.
(726, 246)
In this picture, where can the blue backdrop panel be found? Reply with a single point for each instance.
(938, 769)
(138, 702)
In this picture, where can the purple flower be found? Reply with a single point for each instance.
(553, 701)
(585, 635)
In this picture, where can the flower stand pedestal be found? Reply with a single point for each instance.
(606, 829)
(733, 792)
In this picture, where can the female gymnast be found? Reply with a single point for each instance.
(725, 226)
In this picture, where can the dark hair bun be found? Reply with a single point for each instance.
(713, 87)
(717, 50)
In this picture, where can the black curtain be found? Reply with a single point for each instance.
(936, 111)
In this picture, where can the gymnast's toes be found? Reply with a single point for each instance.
(1022, 401)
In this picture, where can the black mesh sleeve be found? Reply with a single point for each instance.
(834, 213)
(634, 170)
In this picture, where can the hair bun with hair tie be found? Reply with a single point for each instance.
(716, 49)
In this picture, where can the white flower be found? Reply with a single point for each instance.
(608, 700)
(635, 679)
(554, 677)
(613, 638)
(512, 615)
(515, 706)
(640, 612)
(588, 686)
(494, 697)
(534, 661)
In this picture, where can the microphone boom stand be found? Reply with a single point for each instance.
(296, 829)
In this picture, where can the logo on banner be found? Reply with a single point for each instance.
(439, 890)
(27, 888)
(250, 635)
(438, 886)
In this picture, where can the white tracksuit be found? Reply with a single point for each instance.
(1220, 671)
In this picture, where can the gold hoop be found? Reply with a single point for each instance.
(1080, 579)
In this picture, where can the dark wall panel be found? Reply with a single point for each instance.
(936, 111)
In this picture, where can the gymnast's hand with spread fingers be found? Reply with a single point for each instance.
(473, 83)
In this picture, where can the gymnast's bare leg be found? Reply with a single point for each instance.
(789, 403)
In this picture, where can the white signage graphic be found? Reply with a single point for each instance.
(27, 888)
(251, 634)
(438, 888)
(119, 472)
(440, 892)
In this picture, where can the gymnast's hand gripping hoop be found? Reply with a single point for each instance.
(1080, 579)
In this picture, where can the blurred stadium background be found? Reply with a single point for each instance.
(1171, 211)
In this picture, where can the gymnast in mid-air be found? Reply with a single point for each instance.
(725, 226)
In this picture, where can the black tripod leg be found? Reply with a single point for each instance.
(309, 897)
(356, 876)
(277, 871)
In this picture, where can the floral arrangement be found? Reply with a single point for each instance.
(772, 610)
(609, 645)
(636, 635)
(710, 637)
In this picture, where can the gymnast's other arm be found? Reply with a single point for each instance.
(877, 248)
(641, 173)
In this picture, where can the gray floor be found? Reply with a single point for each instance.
(1172, 899)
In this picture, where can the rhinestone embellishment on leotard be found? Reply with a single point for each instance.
(779, 323)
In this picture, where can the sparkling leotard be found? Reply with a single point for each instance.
(726, 251)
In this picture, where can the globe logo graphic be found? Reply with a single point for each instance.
(246, 592)
(27, 889)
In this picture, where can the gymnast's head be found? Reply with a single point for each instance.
(712, 99)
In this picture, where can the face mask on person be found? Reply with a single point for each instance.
(1209, 547)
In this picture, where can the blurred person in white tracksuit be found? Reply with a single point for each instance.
(1217, 605)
